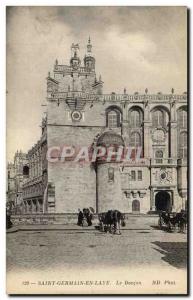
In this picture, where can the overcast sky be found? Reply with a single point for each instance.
(134, 47)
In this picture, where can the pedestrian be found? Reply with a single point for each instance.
(80, 218)
(8, 219)
(88, 216)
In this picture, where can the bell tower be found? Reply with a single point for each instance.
(75, 60)
(89, 60)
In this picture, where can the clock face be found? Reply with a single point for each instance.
(163, 175)
(76, 115)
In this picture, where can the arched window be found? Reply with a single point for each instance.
(113, 118)
(136, 206)
(183, 139)
(183, 145)
(135, 140)
(135, 117)
(182, 118)
(158, 118)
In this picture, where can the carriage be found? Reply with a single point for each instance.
(173, 221)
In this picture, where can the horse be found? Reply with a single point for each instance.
(182, 220)
(111, 221)
(177, 219)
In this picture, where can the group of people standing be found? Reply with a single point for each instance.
(84, 217)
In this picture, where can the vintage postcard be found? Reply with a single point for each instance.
(97, 105)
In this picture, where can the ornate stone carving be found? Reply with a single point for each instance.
(142, 194)
(158, 135)
(134, 194)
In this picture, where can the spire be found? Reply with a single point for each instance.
(89, 47)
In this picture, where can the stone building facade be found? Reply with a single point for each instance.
(17, 172)
(79, 114)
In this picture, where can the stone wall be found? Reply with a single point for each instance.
(120, 191)
(75, 182)
(108, 187)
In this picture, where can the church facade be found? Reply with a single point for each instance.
(81, 116)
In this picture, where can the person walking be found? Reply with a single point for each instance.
(80, 218)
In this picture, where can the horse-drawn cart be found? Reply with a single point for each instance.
(111, 221)
(172, 221)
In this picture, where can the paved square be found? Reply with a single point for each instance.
(141, 243)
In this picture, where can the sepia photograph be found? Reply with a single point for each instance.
(97, 150)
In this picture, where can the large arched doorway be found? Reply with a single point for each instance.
(25, 170)
(163, 201)
(136, 206)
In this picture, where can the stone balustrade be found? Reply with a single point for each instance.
(118, 97)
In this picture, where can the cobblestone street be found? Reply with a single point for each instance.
(141, 243)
